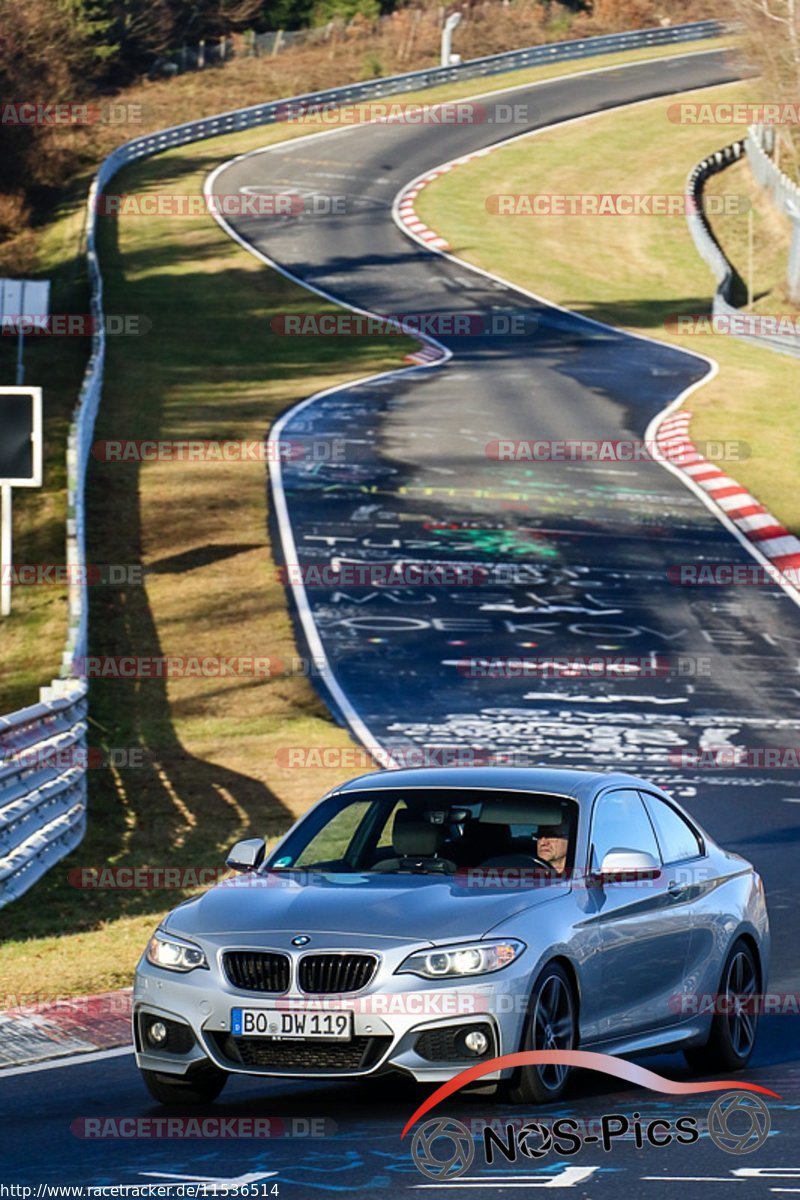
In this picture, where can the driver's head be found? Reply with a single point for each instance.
(552, 845)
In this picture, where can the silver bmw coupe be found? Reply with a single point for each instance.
(424, 920)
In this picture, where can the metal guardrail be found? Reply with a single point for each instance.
(43, 818)
(42, 786)
(748, 327)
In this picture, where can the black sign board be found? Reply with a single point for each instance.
(20, 437)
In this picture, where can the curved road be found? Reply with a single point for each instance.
(589, 544)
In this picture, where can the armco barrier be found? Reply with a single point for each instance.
(736, 320)
(42, 785)
(42, 819)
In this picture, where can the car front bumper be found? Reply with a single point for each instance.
(389, 1018)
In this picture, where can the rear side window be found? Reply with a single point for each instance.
(676, 838)
(620, 822)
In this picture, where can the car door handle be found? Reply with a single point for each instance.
(675, 888)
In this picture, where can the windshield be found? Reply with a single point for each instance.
(436, 830)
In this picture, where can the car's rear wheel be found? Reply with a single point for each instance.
(551, 1025)
(735, 1021)
(200, 1085)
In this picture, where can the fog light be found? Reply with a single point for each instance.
(476, 1042)
(157, 1033)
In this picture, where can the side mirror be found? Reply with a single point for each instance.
(247, 855)
(620, 866)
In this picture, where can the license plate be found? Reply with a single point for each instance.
(292, 1026)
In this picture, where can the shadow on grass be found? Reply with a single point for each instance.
(202, 370)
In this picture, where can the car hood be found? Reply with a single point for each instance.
(412, 907)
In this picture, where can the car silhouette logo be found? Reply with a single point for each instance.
(302, 939)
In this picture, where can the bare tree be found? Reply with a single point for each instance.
(772, 42)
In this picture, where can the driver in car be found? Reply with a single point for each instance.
(552, 846)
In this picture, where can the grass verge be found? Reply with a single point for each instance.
(632, 271)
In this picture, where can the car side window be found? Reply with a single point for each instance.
(619, 822)
(676, 838)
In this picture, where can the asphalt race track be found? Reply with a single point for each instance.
(590, 545)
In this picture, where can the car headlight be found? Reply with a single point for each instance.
(454, 962)
(173, 953)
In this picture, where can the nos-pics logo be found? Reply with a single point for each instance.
(443, 1148)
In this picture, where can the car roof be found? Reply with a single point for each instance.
(580, 785)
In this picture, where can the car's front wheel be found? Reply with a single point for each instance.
(551, 1025)
(733, 1027)
(200, 1085)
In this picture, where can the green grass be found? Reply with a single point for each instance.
(632, 271)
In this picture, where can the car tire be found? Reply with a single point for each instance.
(201, 1085)
(552, 1024)
(733, 1035)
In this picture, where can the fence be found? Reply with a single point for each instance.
(36, 836)
(737, 321)
(785, 193)
(217, 51)
(214, 52)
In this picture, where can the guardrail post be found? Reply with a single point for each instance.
(6, 565)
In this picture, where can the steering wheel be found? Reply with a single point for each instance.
(516, 862)
(540, 862)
